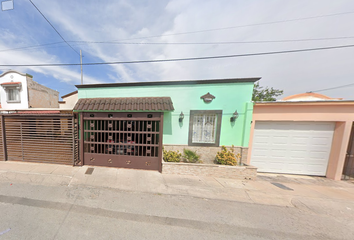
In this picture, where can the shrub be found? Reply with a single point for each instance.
(172, 156)
(227, 157)
(190, 156)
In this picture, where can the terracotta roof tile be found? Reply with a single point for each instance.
(11, 83)
(125, 104)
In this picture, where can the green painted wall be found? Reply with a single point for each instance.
(229, 97)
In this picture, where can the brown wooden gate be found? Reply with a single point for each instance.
(348, 170)
(38, 138)
(127, 140)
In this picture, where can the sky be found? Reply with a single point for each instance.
(133, 30)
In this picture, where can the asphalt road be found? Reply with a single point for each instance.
(81, 212)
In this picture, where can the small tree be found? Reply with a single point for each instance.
(265, 93)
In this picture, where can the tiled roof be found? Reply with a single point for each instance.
(125, 104)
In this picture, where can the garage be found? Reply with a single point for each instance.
(122, 132)
(37, 136)
(292, 147)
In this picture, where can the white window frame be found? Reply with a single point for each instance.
(15, 87)
(205, 117)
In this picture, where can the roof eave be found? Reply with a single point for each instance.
(69, 94)
(143, 104)
(180, 82)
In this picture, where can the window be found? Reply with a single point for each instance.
(13, 94)
(204, 128)
(12, 90)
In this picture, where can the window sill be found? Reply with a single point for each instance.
(204, 144)
(13, 101)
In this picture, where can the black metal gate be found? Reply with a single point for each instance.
(127, 140)
(38, 138)
(348, 170)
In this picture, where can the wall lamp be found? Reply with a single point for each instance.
(181, 116)
(234, 116)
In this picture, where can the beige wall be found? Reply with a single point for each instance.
(40, 96)
(342, 113)
(70, 102)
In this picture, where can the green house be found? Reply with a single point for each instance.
(127, 124)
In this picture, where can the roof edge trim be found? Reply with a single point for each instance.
(69, 94)
(181, 82)
(13, 71)
(323, 102)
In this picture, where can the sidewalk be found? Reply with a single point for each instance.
(270, 189)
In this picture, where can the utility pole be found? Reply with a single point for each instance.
(82, 76)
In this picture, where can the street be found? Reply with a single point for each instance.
(31, 211)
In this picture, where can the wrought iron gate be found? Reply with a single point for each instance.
(348, 170)
(127, 140)
(38, 138)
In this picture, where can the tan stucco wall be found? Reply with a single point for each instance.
(342, 113)
(40, 96)
(70, 102)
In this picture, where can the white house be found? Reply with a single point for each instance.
(19, 91)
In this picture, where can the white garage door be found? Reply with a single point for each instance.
(292, 147)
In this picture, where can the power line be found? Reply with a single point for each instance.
(332, 88)
(241, 26)
(181, 43)
(179, 59)
(34, 46)
(183, 33)
(53, 27)
(212, 43)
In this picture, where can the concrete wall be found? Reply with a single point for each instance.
(40, 96)
(13, 76)
(229, 97)
(209, 170)
(70, 101)
(342, 113)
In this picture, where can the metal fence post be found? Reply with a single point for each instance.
(3, 135)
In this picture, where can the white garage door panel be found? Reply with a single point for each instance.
(292, 147)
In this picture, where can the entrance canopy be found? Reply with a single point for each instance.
(155, 104)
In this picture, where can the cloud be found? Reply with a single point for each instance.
(62, 74)
(121, 20)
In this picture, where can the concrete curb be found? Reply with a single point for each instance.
(307, 190)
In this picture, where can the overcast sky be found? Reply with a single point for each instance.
(123, 30)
